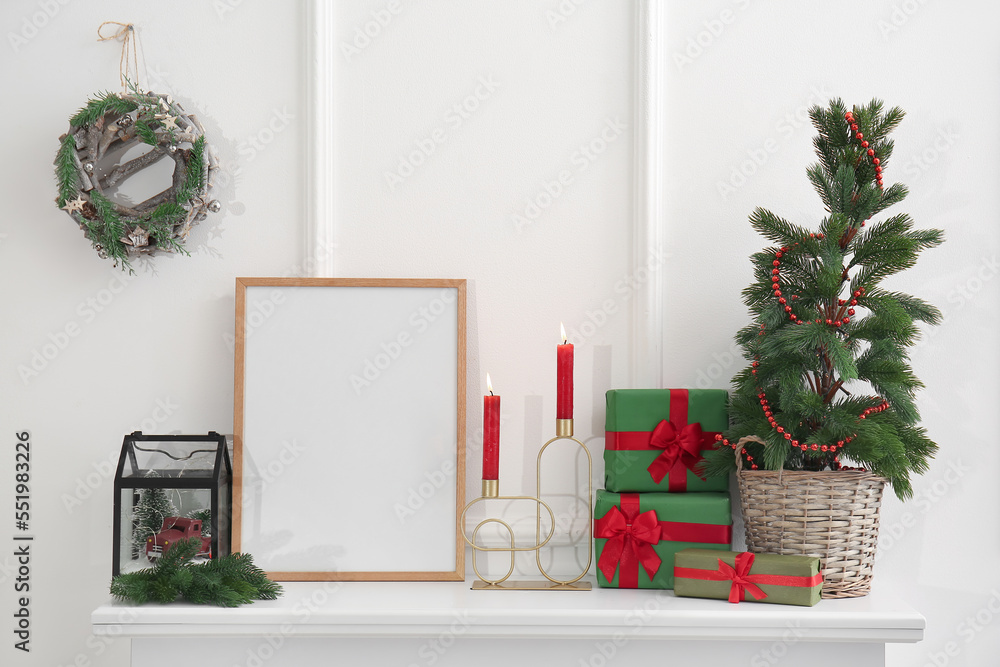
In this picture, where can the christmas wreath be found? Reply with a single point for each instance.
(106, 131)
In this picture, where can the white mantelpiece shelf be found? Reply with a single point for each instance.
(419, 609)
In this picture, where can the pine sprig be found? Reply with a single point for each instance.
(227, 581)
(66, 175)
(100, 105)
(108, 230)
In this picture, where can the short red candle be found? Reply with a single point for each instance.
(491, 433)
(564, 378)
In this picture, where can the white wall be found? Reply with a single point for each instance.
(484, 142)
(151, 354)
(160, 341)
(740, 76)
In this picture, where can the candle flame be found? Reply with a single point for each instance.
(562, 331)
(489, 385)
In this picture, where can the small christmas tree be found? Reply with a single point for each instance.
(829, 374)
(147, 517)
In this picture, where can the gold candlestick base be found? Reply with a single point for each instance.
(481, 585)
(564, 431)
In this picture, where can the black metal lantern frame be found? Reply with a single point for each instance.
(190, 468)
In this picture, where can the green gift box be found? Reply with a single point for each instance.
(706, 573)
(637, 534)
(654, 439)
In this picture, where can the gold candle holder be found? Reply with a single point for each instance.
(564, 431)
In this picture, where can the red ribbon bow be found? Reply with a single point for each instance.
(629, 543)
(683, 446)
(742, 580)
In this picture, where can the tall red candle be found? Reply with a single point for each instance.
(564, 378)
(491, 433)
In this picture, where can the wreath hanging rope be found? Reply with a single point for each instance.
(88, 171)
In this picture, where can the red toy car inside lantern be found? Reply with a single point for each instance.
(174, 529)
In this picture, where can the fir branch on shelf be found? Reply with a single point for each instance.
(226, 581)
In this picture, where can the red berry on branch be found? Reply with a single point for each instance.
(875, 161)
(850, 311)
(814, 447)
(863, 143)
(829, 321)
(775, 263)
(871, 152)
(854, 302)
(846, 320)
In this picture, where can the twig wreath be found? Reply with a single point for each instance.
(111, 124)
(98, 154)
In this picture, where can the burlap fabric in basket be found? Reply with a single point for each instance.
(832, 514)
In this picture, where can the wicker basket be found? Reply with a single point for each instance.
(832, 515)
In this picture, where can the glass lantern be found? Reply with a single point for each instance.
(170, 488)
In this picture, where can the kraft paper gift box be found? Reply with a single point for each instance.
(654, 439)
(774, 578)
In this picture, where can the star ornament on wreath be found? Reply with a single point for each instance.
(115, 137)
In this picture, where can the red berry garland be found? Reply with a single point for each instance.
(765, 405)
(849, 117)
(843, 315)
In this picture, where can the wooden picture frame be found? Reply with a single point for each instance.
(349, 424)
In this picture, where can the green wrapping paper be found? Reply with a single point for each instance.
(637, 534)
(744, 576)
(654, 439)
